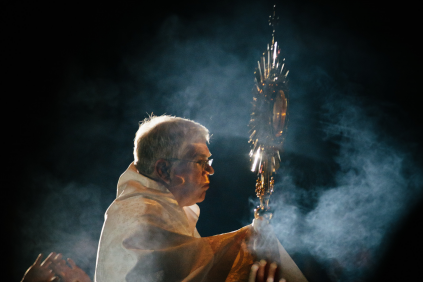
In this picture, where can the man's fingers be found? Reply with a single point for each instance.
(47, 264)
(58, 267)
(48, 258)
(282, 280)
(71, 263)
(260, 273)
(253, 272)
(272, 270)
(58, 260)
(58, 257)
(38, 260)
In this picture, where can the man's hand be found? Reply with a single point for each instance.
(263, 272)
(66, 273)
(40, 272)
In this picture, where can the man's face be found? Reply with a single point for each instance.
(189, 179)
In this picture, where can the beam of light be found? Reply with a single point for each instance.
(274, 53)
(259, 68)
(261, 160)
(268, 60)
(253, 168)
(252, 134)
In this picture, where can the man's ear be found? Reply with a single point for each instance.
(162, 169)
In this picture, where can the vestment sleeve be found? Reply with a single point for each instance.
(167, 256)
(151, 242)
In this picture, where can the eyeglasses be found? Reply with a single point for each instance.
(203, 163)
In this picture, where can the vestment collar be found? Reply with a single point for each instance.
(131, 173)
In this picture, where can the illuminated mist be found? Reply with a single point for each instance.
(371, 180)
(375, 185)
(346, 180)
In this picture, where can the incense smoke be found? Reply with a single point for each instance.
(372, 183)
(345, 182)
(67, 220)
(375, 185)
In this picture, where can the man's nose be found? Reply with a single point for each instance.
(209, 170)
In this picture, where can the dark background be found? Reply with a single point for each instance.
(79, 77)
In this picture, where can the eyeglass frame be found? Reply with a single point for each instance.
(202, 163)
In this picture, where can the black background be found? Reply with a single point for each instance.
(49, 46)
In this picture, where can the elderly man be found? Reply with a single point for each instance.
(150, 234)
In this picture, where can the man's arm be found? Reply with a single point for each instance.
(141, 241)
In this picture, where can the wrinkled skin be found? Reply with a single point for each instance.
(54, 268)
(68, 273)
(40, 272)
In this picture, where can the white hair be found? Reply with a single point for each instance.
(164, 137)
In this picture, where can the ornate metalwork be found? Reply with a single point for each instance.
(269, 119)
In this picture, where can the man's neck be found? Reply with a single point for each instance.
(157, 179)
(152, 177)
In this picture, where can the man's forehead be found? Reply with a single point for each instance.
(197, 150)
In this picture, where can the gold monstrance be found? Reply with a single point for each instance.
(268, 120)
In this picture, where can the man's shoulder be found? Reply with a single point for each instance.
(140, 210)
(142, 202)
(136, 204)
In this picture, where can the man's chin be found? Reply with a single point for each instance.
(202, 197)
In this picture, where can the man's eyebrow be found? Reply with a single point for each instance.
(203, 155)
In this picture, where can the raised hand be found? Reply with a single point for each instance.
(68, 273)
(40, 272)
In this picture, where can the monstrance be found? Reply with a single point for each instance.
(268, 121)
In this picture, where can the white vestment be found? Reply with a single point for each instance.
(146, 236)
